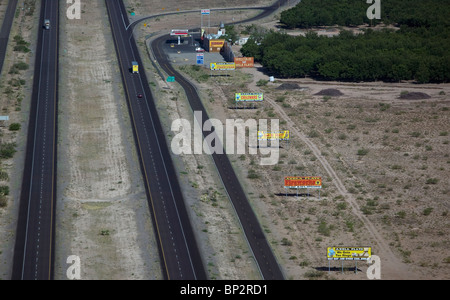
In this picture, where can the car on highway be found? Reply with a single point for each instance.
(139, 95)
(47, 24)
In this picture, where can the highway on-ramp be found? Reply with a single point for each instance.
(34, 248)
(266, 261)
(180, 256)
(6, 29)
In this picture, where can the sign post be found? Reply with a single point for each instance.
(302, 182)
(206, 12)
(200, 58)
(348, 253)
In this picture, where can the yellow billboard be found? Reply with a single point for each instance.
(222, 66)
(349, 253)
(281, 135)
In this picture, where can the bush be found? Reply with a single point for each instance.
(252, 174)
(427, 211)
(362, 152)
(4, 190)
(432, 181)
(14, 127)
(7, 150)
(3, 201)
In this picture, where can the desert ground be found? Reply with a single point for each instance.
(381, 149)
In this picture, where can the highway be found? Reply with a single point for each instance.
(266, 261)
(34, 248)
(180, 256)
(6, 29)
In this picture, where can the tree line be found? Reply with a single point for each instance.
(416, 50)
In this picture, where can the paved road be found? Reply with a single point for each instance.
(267, 263)
(34, 249)
(180, 257)
(6, 29)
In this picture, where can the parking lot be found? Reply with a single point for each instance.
(185, 53)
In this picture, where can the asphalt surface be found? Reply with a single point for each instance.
(6, 29)
(180, 257)
(267, 263)
(34, 248)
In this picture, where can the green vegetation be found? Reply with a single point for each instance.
(311, 13)
(413, 52)
(14, 127)
(21, 44)
(413, 13)
(7, 150)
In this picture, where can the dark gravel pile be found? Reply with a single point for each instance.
(330, 92)
(414, 96)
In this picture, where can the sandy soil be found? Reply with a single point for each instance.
(384, 162)
(383, 159)
(103, 216)
(390, 203)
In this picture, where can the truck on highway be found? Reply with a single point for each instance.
(47, 24)
(135, 67)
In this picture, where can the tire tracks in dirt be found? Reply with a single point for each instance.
(391, 264)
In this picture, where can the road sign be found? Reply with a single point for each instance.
(171, 79)
(200, 58)
(206, 11)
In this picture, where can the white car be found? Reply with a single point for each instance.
(199, 49)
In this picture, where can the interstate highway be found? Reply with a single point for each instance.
(180, 256)
(34, 248)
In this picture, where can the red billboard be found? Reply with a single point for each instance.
(308, 182)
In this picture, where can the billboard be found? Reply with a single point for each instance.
(281, 135)
(216, 45)
(222, 66)
(179, 32)
(244, 62)
(303, 182)
(349, 253)
(249, 97)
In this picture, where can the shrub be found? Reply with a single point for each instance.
(427, 211)
(432, 181)
(362, 152)
(3, 201)
(14, 127)
(7, 150)
(4, 190)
